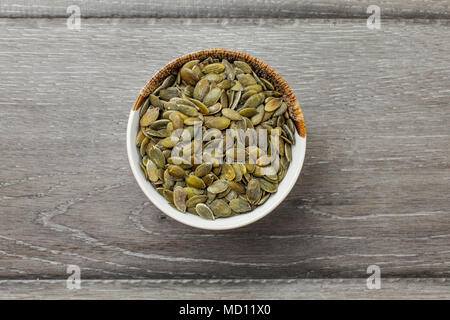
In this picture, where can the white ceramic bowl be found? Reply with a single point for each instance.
(298, 155)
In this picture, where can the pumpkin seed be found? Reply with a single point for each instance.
(240, 205)
(169, 93)
(237, 187)
(179, 198)
(157, 157)
(168, 195)
(203, 169)
(220, 208)
(218, 186)
(204, 211)
(212, 97)
(201, 89)
(228, 172)
(273, 105)
(254, 101)
(195, 182)
(188, 76)
(152, 171)
(214, 68)
(217, 122)
(268, 186)
(191, 191)
(248, 112)
(176, 171)
(246, 79)
(231, 114)
(194, 200)
(150, 116)
(264, 199)
(253, 191)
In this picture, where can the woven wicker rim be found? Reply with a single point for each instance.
(261, 68)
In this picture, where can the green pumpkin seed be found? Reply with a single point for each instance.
(289, 133)
(139, 138)
(217, 122)
(214, 68)
(243, 66)
(177, 120)
(229, 69)
(212, 97)
(168, 195)
(215, 108)
(254, 101)
(191, 121)
(209, 179)
(220, 208)
(176, 171)
(150, 116)
(188, 76)
(273, 105)
(264, 199)
(179, 198)
(157, 157)
(204, 211)
(281, 110)
(246, 79)
(288, 152)
(268, 186)
(169, 93)
(240, 205)
(195, 182)
(267, 84)
(159, 124)
(237, 187)
(203, 169)
(228, 172)
(165, 84)
(152, 171)
(218, 186)
(201, 89)
(194, 200)
(213, 77)
(200, 106)
(191, 191)
(231, 114)
(248, 112)
(155, 101)
(225, 84)
(185, 109)
(253, 191)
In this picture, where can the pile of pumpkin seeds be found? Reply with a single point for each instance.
(214, 95)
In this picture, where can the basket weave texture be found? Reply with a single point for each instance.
(261, 68)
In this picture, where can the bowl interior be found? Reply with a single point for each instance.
(298, 155)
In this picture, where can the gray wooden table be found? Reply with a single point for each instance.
(374, 189)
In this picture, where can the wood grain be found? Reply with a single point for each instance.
(227, 9)
(374, 188)
(303, 289)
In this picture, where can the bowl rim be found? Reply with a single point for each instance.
(195, 221)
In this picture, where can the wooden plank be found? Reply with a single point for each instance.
(228, 9)
(374, 188)
(228, 289)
